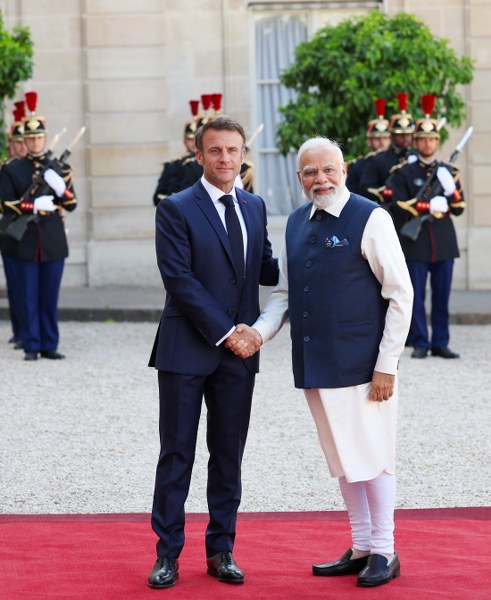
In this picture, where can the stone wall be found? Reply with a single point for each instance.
(127, 69)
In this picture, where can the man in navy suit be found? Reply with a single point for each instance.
(213, 253)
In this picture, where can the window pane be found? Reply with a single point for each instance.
(276, 40)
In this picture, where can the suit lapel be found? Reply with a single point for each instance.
(205, 203)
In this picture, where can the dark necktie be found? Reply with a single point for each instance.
(236, 240)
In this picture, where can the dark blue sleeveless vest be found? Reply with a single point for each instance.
(336, 311)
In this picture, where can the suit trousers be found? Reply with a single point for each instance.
(228, 396)
(440, 282)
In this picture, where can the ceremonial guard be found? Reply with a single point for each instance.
(179, 173)
(184, 171)
(35, 189)
(378, 140)
(377, 168)
(425, 193)
(17, 149)
(246, 177)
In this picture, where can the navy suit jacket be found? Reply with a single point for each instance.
(195, 261)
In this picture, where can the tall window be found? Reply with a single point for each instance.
(277, 34)
(276, 40)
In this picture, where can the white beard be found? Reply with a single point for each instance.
(324, 201)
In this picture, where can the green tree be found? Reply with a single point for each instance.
(15, 65)
(340, 72)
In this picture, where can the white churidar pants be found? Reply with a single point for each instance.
(358, 439)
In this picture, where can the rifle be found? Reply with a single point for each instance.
(254, 135)
(17, 226)
(432, 187)
(39, 187)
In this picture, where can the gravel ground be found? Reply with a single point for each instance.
(81, 435)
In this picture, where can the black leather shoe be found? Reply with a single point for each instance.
(419, 352)
(224, 567)
(164, 573)
(343, 566)
(379, 571)
(28, 355)
(444, 352)
(52, 354)
(18, 346)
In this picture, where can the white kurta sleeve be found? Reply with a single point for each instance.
(381, 247)
(275, 312)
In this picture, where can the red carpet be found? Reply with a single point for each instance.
(444, 554)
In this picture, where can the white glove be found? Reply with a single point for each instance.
(438, 204)
(446, 179)
(44, 203)
(412, 158)
(55, 182)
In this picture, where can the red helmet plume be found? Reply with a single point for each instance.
(402, 101)
(20, 108)
(216, 100)
(194, 104)
(206, 101)
(379, 107)
(428, 104)
(31, 101)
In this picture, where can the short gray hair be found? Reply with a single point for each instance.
(319, 142)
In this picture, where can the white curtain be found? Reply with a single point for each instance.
(276, 40)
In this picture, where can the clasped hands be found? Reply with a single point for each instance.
(244, 341)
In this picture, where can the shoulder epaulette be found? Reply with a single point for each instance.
(398, 166)
(7, 161)
(354, 160)
(449, 164)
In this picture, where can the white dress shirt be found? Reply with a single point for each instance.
(215, 195)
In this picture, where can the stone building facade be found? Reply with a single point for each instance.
(127, 70)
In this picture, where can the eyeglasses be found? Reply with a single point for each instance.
(312, 173)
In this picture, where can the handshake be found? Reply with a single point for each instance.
(244, 341)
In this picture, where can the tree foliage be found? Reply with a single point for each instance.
(340, 72)
(15, 65)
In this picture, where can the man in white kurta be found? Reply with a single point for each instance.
(356, 424)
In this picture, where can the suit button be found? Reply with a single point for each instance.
(306, 314)
(306, 288)
(233, 281)
(308, 263)
(313, 240)
(306, 338)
